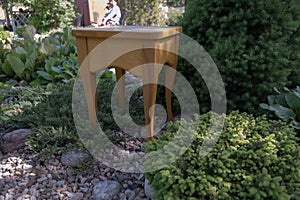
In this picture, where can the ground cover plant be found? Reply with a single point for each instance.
(47, 109)
(254, 158)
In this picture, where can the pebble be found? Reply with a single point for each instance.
(74, 158)
(106, 190)
(60, 183)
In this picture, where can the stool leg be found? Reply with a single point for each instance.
(89, 86)
(170, 75)
(121, 86)
(149, 93)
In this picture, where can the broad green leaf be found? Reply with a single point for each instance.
(280, 99)
(292, 100)
(297, 91)
(296, 125)
(26, 75)
(264, 106)
(7, 69)
(271, 99)
(46, 48)
(16, 64)
(20, 50)
(29, 33)
(30, 46)
(50, 63)
(276, 90)
(283, 113)
(30, 61)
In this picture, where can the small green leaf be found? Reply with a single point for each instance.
(45, 75)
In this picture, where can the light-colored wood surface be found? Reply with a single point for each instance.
(127, 48)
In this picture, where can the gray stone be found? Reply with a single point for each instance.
(73, 158)
(76, 196)
(130, 194)
(106, 190)
(149, 191)
(14, 140)
(60, 183)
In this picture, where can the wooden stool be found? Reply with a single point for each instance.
(125, 48)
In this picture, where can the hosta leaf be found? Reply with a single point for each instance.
(16, 64)
(292, 100)
(264, 106)
(280, 99)
(20, 50)
(46, 48)
(276, 90)
(30, 61)
(283, 113)
(297, 91)
(29, 33)
(271, 99)
(7, 69)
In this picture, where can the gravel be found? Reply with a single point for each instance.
(24, 176)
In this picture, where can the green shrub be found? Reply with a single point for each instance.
(286, 105)
(254, 43)
(254, 158)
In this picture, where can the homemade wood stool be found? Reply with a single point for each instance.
(126, 48)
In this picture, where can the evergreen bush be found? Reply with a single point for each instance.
(254, 158)
(254, 43)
